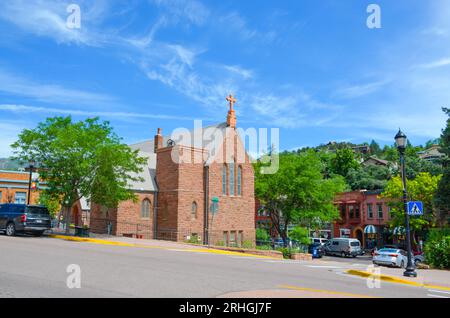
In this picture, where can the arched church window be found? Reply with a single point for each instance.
(224, 180)
(145, 208)
(239, 180)
(232, 178)
(194, 210)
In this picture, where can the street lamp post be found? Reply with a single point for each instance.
(400, 140)
(32, 163)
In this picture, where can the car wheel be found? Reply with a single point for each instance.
(402, 264)
(10, 229)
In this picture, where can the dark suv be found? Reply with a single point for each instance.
(15, 218)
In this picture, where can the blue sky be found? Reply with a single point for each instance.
(310, 68)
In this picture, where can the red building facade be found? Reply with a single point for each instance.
(364, 216)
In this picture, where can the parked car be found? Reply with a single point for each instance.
(22, 218)
(419, 258)
(343, 247)
(319, 248)
(321, 241)
(391, 257)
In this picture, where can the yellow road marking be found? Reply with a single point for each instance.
(393, 279)
(323, 291)
(196, 250)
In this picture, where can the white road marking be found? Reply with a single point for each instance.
(323, 266)
(438, 291)
(437, 296)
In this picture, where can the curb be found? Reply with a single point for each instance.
(393, 279)
(198, 250)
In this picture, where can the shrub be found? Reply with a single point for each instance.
(220, 243)
(247, 244)
(286, 252)
(437, 249)
(264, 247)
(300, 234)
(262, 235)
(193, 239)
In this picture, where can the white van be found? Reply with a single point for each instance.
(319, 240)
(343, 247)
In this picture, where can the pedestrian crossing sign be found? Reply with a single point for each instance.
(415, 208)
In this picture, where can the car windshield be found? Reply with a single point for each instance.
(388, 250)
(354, 243)
(36, 210)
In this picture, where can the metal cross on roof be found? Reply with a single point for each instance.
(231, 100)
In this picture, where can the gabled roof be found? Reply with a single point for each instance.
(210, 138)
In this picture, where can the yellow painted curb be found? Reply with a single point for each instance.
(331, 292)
(197, 250)
(393, 279)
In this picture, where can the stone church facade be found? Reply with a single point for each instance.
(196, 184)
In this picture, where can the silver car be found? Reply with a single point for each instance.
(391, 257)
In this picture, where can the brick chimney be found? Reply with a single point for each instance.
(158, 140)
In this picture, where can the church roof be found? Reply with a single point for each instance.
(208, 140)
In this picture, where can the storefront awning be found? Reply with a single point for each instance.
(370, 229)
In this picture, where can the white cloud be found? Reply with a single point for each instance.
(360, 90)
(245, 73)
(435, 64)
(76, 112)
(13, 84)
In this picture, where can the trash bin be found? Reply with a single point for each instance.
(81, 231)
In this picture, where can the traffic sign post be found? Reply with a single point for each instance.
(415, 208)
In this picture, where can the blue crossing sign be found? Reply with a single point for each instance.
(415, 208)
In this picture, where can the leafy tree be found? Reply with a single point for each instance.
(343, 161)
(374, 147)
(422, 188)
(300, 234)
(298, 193)
(369, 178)
(52, 204)
(262, 235)
(80, 159)
(442, 198)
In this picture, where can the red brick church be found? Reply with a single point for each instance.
(197, 184)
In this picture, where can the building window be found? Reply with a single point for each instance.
(225, 238)
(239, 180)
(369, 210)
(233, 238)
(224, 180)
(357, 211)
(343, 212)
(145, 208)
(380, 210)
(240, 238)
(232, 178)
(20, 198)
(351, 214)
(194, 210)
(1, 196)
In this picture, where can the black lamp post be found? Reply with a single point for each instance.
(32, 163)
(400, 141)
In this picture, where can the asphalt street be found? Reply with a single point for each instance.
(37, 267)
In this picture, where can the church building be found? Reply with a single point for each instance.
(198, 185)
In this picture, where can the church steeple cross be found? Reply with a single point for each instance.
(231, 100)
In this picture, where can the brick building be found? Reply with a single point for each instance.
(188, 176)
(363, 215)
(14, 187)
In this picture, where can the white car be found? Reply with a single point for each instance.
(391, 257)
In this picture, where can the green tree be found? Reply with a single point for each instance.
(422, 188)
(442, 198)
(374, 148)
(369, 178)
(343, 161)
(298, 193)
(80, 159)
(300, 234)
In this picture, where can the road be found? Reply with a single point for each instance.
(36, 267)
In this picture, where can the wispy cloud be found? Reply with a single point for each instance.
(76, 112)
(52, 93)
(360, 90)
(435, 64)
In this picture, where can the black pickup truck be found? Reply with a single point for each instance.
(22, 218)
